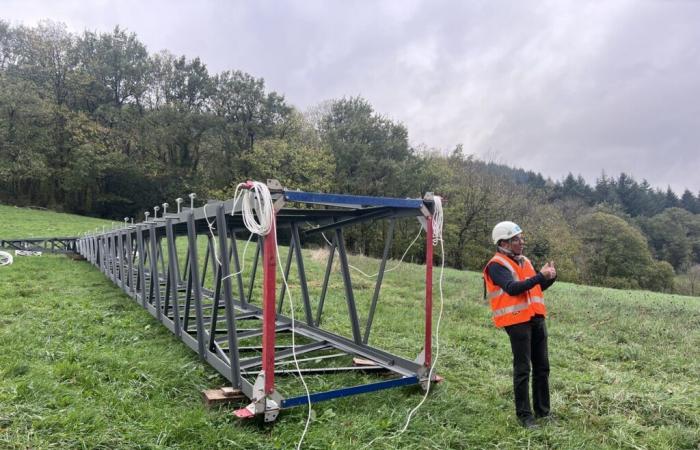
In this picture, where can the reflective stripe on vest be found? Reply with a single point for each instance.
(510, 309)
(537, 300)
(494, 294)
(505, 263)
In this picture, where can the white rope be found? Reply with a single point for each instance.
(5, 259)
(437, 231)
(211, 231)
(216, 250)
(257, 198)
(420, 230)
(437, 220)
(294, 352)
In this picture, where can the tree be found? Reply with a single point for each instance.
(605, 190)
(694, 279)
(673, 236)
(689, 202)
(8, 44)
(616, 253)
(473, 198)
(575, 188)
(245, 114)
(371, 151)
(177, 128)
(660, 277)
(24, 137)
(118, 64)
(671, 199)
(295, 166)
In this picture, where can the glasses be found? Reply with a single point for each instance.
(516, 239)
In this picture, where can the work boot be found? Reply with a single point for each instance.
(549, 419)
(529, 423)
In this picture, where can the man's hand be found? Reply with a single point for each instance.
(549, 271)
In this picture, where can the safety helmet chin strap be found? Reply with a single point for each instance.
(509, 252)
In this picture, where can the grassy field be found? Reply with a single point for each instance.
(28, 223)
(83, 366)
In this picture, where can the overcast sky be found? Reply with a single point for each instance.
(549, 86)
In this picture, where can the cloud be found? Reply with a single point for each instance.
(552, 86)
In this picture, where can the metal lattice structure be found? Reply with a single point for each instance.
(219, 320)
(47, 245)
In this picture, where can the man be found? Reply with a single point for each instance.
(514, 290)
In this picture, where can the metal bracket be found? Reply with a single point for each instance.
(424, 371)
(274, 186)
(428, 197)
(268, 405)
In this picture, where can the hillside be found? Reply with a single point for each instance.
(83, 366)
(29, 223)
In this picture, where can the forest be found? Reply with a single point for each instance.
(95, 124)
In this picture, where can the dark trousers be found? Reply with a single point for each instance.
(529, 344)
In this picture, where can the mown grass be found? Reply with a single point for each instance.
(83, 366)
(18, 222)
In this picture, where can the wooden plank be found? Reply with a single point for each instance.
(222, 396)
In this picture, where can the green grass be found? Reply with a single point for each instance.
(83, 366)
(18, 222)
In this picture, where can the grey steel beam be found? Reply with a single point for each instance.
(237, 267)
(230, 310)
(347, 283)
(196, 286)
(296, 243)
(283, 288)
(173, 276)
(380, 277)
(254, 267)
(141, 263)
(155, 277)
(326, 278)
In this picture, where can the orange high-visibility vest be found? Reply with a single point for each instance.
(507, 309)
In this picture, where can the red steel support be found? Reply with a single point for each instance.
(428, 291)
(269, 316)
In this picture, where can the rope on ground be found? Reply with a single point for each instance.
(5, 259)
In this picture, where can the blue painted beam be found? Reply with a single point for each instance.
(345, 392)
(351, 201)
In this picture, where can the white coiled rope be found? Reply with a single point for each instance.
(5, 259)
(437, 220)
(256, 198)
(257, 211)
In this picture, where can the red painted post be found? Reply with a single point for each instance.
(428, 291)
(269, 316)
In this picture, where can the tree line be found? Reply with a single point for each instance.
(94, 124)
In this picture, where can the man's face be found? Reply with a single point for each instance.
(516, 244)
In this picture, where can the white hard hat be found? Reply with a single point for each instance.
(505, 230)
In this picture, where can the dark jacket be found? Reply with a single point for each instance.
(504, 278)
